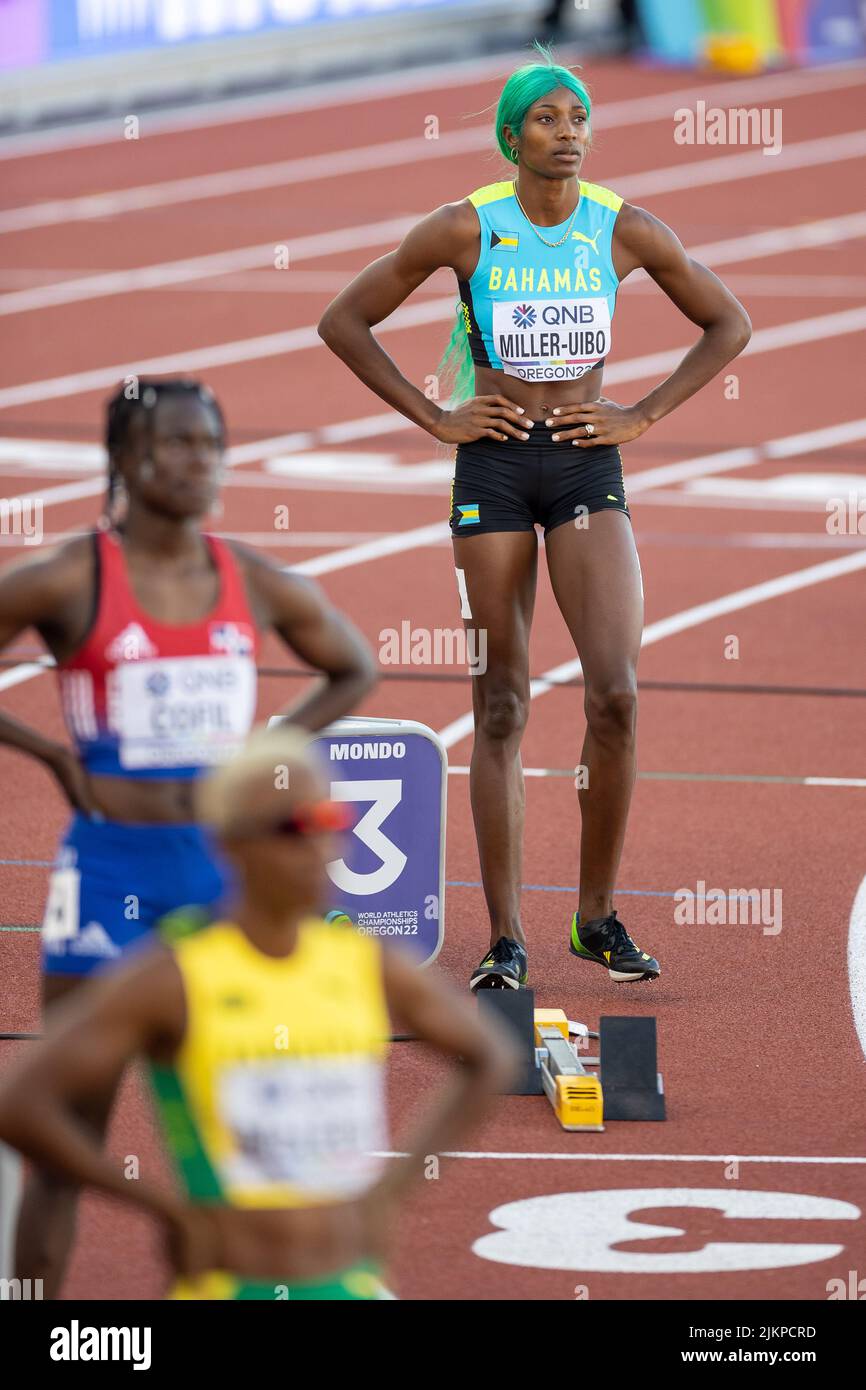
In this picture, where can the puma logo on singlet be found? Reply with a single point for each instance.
(590, 240)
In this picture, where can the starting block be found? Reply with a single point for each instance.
(633, 1088)
(624, 1083)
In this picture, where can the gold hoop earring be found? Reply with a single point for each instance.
(514, 153)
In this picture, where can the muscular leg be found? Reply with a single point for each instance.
(49, 1206)
(596, 579)
(500, 572)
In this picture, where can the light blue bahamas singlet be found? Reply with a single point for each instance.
(541, 313)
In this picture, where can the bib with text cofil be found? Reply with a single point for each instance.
(182, 711)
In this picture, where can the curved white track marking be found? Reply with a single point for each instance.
(582, 1230)
(460, 728)
(857, 963)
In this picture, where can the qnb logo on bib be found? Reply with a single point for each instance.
(551, 339)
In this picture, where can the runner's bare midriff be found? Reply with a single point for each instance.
(289, 1245)
(538, 398)
(138, 802)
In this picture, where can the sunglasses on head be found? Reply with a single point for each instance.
(315, 818)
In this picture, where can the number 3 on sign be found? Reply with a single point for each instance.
(385, 796)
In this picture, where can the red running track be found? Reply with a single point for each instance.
(758, 1029)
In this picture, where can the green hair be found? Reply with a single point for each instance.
(524, 87)
(528, 85)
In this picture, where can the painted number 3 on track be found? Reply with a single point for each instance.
(581, 1230)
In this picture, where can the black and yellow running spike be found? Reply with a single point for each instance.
(606, 942)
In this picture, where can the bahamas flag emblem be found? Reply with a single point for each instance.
(505, 241)
(468, 514)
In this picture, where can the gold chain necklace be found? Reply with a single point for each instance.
(562, 239)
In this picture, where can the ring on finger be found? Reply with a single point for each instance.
(590, 429)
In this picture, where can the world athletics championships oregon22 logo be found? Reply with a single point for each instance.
(524, 315)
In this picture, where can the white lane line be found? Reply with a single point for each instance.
(259, 280)
(757, 540)
(304, 169)
(827, 437)
(219, 355)
(718, 169)
(815, 487)
(63, 492)
(788, 446)
(631, 111)
(11, 1173)
(857, 963)
(825, 149)
(408, 316)
(261, 257)
(698, 502)
(45, 453)
(774, 241)
(19, 674)
(274, 540)
(438, 532)
(457, 770)
(590, 1157)
(836, 782)
(232, 111)
(615, 114)
(676, 623)
(374, 550)
(52, 454)
(763, 340)
(359, 468)
(769, 286)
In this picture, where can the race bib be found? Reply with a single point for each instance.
(189, 711)
(313, 1125)
(551, 339)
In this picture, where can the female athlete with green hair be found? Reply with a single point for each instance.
(538, 259)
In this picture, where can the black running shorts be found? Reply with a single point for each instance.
(514, 485)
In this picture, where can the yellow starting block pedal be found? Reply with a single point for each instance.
(628, 1087)
(549, 1018)
(575, 1095)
